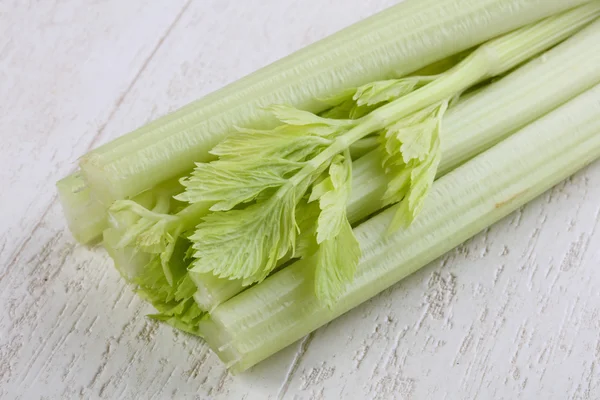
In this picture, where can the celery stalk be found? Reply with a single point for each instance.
(283, 308)
(402, 39)
(86, 217)
(472, 126)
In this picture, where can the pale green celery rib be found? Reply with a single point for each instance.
(399, 40)
(86, 217)
(469, 128)
(266, 318)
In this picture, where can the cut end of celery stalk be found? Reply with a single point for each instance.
(212, 290)
(218, 340)
(293, 289)
(86, 217)
(100, 181)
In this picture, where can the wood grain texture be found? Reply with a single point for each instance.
(513, 313)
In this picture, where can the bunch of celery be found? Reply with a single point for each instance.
(261, 212)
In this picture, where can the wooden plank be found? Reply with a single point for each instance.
(513, 313)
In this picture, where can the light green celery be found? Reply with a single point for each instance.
(363, 147)
(165, 285)
(494, 112)
(174, 301)
(472, 126)
(277, 167)
(128, 261)
(393, 43)
(86, 217)
(157, 223)
(213, 291)
(264, 319)
(336, 242)
(156, 231)
(161, 239)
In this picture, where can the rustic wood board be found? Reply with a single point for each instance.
(514, 313)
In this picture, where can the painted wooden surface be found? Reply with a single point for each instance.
(512, 314)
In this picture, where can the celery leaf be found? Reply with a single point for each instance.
(229, 183)
(306, 217)
(338, 252)
(388, 90)
(245, 243)
(293, 116)
(174, 302)
(333, 193)
(357, 102)
(412, 156)
(287, 141)
(257, 184)
(336, 262)
(150, 232)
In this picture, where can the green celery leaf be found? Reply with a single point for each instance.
(258, 183)
(340, 97)
(333, 193)
(336, 262)
(344, 110)
(338, 252)
(253, 162)
(412, 156)
(144, 220)
(301, 136)
(229, 183)
(246, 243)
(174, 302)
(293, 116)
(287, 141)
(186, 320)
(306, 217)
(388, 90)
(355, 103)
(150, 232)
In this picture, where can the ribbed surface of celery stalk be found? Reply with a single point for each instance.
(470, 128)
(404, 38)
(283, 308)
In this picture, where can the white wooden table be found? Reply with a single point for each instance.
(512, 314)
